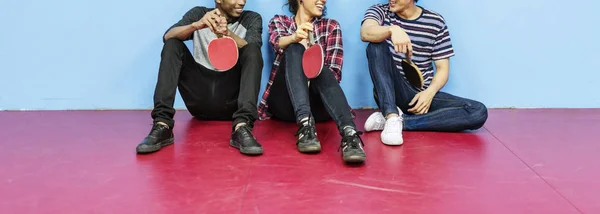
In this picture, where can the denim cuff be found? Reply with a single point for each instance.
(392, 110)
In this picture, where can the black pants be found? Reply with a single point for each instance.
(207, 94)
(291, 98)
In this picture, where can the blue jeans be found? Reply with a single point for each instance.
(447, 113)
(291, 99)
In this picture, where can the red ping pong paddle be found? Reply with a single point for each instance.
(412, 73)
(223, 53)
(312, 60)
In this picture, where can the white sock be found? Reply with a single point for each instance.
(304, 121)
(239, 125)
(349, 130)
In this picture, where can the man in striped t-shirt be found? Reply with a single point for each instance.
(394, 31)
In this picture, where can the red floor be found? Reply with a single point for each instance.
(85, 162)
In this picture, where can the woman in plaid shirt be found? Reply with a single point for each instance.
(288, 97)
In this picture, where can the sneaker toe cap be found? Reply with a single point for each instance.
(253, 150)
(392, 139)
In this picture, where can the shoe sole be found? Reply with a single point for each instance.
(392, 144)
(247, 151)
(310, 149)
(155, 148)
(354, 159)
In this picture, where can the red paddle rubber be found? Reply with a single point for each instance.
(223, 53)
(312, 61)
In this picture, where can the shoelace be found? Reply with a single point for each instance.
(307, 131)
(245, 131)
(156, 129)
(350, 141)
(392, 123)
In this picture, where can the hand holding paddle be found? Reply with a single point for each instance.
(212, 20)
(222, 52)
(221, 29)
(401, 41)
(312, 59)
(303, 31)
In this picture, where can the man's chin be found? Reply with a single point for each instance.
(234, 15)
(237, 12)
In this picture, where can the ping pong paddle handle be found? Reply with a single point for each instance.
(311, 39)
(311, 42)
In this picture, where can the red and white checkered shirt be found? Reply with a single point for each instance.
(327, 33)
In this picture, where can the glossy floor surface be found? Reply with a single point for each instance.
(522, 161)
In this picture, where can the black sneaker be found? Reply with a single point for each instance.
(160, 136)
(352, 146)
(307, 138)
(243, 140)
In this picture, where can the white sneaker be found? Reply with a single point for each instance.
(375, 122)
(392, 132)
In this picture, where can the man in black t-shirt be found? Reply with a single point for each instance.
(207, 94)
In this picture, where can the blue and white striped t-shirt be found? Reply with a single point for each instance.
(428, 34)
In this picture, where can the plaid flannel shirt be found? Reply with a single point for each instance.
(327, 33)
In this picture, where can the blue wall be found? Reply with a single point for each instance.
(104, 54)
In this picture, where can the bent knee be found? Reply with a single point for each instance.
(478, 114)
(326, 78)
(173, 45)
(251, 49)
(377, 49)
(251, 52)
(295, 48)
(173, 42)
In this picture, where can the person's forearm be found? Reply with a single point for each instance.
(286, 41)
(240, 42)
(181, 32)
(376, 33)
(439, 79)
